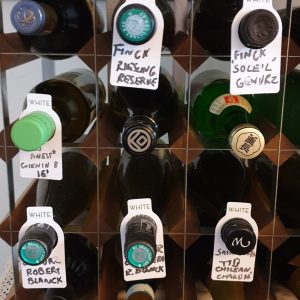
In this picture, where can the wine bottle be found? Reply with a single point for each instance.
(294, 24)
(69, 198)
(136, 24)
(270, 107)
(215, 178)
(74, 97)
(288, 189)
(135, 290)
(140, 241)
(54, 26)
(141, 290)
(144, 115)
(146, 176)
(217, 115)
(283, 270)
(81, 269)
(214, 18)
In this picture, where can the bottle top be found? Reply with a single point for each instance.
(139, 135)
(246, 141)
(140, 241)
(37, 244)
(28, 17)
(140, 291)
(33, 131)
(136, 24)
(238, 236)
(258, 28)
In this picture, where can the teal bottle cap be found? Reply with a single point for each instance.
(136, 24)
(33, 252)
(33, 131)
(140, 255)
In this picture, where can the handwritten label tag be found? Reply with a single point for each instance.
(226, 265)
(255, 71)
(158, 268)
(45, 163)
(52, 273)
(137, 65)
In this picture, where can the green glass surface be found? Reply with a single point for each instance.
(211, 126)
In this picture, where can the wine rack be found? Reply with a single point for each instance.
(183, 229)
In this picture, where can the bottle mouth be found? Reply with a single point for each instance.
(140, 254)
(28, 17)
(140, 291)
(258, 28)
(238, 236)
(33, 252)
(136, 24)
(139, 135)
(246, 141)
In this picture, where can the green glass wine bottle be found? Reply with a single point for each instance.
(270, 106)
(217, 115)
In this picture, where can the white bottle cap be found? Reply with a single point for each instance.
(246, 141)
(140, 291)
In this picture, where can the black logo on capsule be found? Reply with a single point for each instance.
(238, 236)
(139, 140)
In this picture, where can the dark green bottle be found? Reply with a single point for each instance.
(81, 269)
(74, 98)
(146, 176)
(270, 107)
(215, 178)
(69, 198)
(219, 116)
(144, 115)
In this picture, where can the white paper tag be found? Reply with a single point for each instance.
(255, 71)
(45, 163)
(226, 265)
(137, 66)
(158, 268)
(52, 273)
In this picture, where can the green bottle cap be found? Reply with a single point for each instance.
(33, 131)
(136, 24)
(33, 252)
(140, 255)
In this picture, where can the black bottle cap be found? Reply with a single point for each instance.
(140, 241)
(139, 135)
(238, 236)
(37, 244)
(258, 28)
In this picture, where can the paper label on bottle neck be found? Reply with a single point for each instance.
(51, 273)
(227, 100)
(226, 265)
(46, 162)
(158, 268)
(137, 66)
(255, 71)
